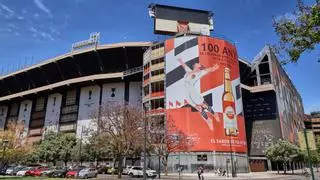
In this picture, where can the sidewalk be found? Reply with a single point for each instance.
(252, 175)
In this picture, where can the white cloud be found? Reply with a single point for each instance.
(41, 34)
(42, 7)
(6, 11)
(20, 18)
(36, 15)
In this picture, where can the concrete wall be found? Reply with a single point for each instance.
(53, 112)
(3, 116)
(113, 92)
(135, 92)
(190, 163)
(24, 115)
(88, 106)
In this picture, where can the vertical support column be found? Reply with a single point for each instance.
(53, 111)
(24, 116)
(3, 116)
(88, 106)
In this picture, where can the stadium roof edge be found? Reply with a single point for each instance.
(99, 47)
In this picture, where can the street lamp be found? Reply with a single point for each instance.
(4, 145)
(80, 148)
(233, 173)
(147, 108)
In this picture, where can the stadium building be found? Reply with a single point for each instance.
(231, 109)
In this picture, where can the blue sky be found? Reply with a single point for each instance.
(35, 30)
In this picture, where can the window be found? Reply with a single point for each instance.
(71, 97)
(40, 104)
(14, 110)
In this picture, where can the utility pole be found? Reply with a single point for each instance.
(80, 147)
(147, 108)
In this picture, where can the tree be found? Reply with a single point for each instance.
(66, 143)
(299, 31)
(171, 140)
(15, 150)
(122, 126)
(56, 147)
(282, 152)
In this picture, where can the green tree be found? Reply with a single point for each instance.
(66, 143)
(282, 152)
(56, 147)
(298, 31)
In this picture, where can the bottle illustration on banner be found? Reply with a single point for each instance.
(228, 105)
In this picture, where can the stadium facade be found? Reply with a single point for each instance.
(230, 108)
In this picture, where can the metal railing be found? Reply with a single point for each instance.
(132, 71)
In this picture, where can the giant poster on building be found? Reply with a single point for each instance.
(203, 98)
(290, 108)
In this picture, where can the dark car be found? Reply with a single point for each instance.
(103, 170)
(59, 172)
(3, 170)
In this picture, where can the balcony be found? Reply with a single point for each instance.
(147, 56)
(157, 66)
(68, 127)
(156, 78)
(157, 94)
(159, 111)
(145, 82)
(157, 53)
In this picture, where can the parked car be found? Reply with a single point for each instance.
(59, 172)
(16, 170)
(88, 173)
(9, 170)
(126, 170)
(13, 170)
(23, 171)
(102, 170)
(137, 171)
(38, 171)
(3, 170)
(73, 172)
(47, 172)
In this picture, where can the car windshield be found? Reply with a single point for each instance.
(27, 168)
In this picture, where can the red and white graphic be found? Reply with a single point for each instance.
(202, 75)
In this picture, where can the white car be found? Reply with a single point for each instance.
(126, 170)
(9, 170)
(23, 171)
(88, 173)
(137, 171)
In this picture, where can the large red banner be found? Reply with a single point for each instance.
(203, 96)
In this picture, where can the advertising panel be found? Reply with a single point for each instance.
(203, 98)
(290, 106)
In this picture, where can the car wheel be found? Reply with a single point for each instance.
(130, 174)
(85, 177)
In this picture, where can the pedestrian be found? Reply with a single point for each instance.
(200, 173)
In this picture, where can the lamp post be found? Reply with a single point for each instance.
(80, 149)
(308, 151)
(4, 144)
(147, 108)
(233, 174)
